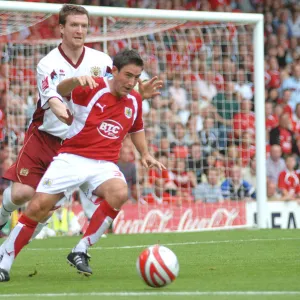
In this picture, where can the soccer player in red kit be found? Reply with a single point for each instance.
(50, 121)
(104, 112)
(49, 126)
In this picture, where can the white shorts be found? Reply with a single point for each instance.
(68, 172)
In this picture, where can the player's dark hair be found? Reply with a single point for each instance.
(71, 9)
(127, 57)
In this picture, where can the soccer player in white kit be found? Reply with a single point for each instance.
(51, 119)
(103, 115)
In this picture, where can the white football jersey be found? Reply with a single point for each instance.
(54, 68)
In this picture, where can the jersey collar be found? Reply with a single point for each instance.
(68, 60)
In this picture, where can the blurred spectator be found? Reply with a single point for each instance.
(246, 148)
(243, 87)
(180, 136)
(294, 22)
(288, 181)
(192, 133)
(209, 136)
(159, 196)
(283, 135)
(293, 84)
(226, 104)
(249, 173)
(285, 100)
(128, 168)
(275, 163)
(207, 88)
(244, 120)
(235, 188)
(209, 192)
(194, 163)
(184, 180)
(231, 158)
(273, 74)
(271, 118)
(178, 93)
(64, 222)
(296, 121)
(165, 174)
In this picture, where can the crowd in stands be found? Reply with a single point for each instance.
(202, 126)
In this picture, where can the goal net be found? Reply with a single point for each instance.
(201, 127)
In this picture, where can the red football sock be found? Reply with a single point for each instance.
(26, 228)
(103, 214)
(100, 222)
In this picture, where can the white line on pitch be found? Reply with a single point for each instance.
(140, 294)
(172, 244)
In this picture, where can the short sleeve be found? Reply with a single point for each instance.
(47, 81)
(138, 124)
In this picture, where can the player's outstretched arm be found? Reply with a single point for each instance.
(65, 87)
(147, 160)
(149, 89)
(60, 110)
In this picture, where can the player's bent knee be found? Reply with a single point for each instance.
(117, 198)
(21, 193)
(40, 206)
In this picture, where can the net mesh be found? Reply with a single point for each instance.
(18, 22)
(201, 126)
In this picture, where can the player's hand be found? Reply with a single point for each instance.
(148, 162)
(149, 89)
(86, 81)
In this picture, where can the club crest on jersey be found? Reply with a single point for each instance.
(128, 112)
(95, 71)
(53, 76)
(24, 172)
(110, 129)
(47, 182)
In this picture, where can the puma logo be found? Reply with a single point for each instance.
(100, 106)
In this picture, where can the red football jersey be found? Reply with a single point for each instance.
(244, 121)
(101, 122)
(285, 141)
(289, 181)
(271, 122)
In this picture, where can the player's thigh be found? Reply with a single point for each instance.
(113, 187)
(21, 193)
(106, 181)
(65, 173)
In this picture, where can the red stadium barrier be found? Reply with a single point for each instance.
(188, 217)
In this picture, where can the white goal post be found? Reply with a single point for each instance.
(236, 18)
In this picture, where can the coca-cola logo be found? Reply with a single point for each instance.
(110, 129)
(160, 220)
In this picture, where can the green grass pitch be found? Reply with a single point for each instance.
(216, 265)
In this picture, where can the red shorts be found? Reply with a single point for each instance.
(34, 158)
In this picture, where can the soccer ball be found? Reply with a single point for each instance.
(157, 266)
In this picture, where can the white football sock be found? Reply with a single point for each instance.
(39, 228)
(7, 206)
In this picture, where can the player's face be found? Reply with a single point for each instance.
(75, 30)
(126, 79)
